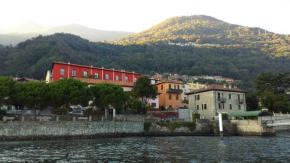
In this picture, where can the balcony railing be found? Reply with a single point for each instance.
(222, 99)
(171, 90)
(185, 101)
(240, 101)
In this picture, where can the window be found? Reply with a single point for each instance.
(135, 80)
(169, 86)
(183, 85)
(231, 107)
(221, 106)
(62, 71)
(197, 97)
(73, 73)
(96, 75)
(240, 107)
(230, 96)
(153, 105)
(169, 96)
(204, 106)
(85, 73)
(107, 77)
(117, 77)
(126, 79)
(197, 107)
(161, 87)
(184, 98)
(176, 97)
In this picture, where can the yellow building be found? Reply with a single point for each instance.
(195, 86)
(170, 93)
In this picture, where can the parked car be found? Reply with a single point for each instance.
(77, 113)
(167, 119)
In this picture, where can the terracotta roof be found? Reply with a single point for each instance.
(169, 81)
(216, 87)
(93, 67)
(96, 81)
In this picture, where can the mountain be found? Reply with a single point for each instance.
(200, 30)
(32, 30)
(33, 57)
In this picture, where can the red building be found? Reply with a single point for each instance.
(94, 74)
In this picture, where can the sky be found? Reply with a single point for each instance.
(139, 15)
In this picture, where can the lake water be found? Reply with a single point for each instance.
(151, 149)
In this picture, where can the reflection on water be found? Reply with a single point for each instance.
(151, 149)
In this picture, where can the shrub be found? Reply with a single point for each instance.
(147, 125)
(195, 116)
(225, 116)
(3, 112)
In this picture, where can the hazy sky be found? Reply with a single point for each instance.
(138, 15)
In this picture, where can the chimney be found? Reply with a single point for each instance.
(225, 85)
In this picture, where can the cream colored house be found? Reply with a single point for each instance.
(195, 86)
(214, 99)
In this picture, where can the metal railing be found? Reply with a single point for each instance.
(171, 90)
(240, 101)
(222, 99)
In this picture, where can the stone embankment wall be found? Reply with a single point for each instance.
(168, 129)
(47, 130)
(253, 127)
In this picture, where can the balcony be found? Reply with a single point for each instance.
(185, 101)
(222, 99)
(171, 90)
(240, 101)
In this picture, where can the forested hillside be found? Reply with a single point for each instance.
(208, 30)
(34, 57)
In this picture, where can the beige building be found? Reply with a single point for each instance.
(195, 86)
(214, 99)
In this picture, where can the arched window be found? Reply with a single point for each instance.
(107, 77)
(117, 77)
(96, 75)
(62, 71)
(85, 73)
(126, 79)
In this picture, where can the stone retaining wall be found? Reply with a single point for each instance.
(252, 127)
(58, 129)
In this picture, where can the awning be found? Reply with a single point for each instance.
(251, 113)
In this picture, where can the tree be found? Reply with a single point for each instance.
(144, 90)
(277, 83)
(252, 102)
(32, 95)
(135, 105)
(6, 85)
(273, 89)
(66, 92)
(108, 95)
